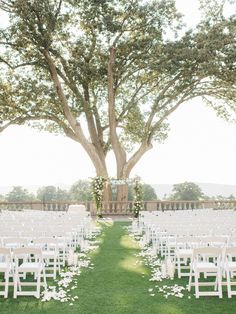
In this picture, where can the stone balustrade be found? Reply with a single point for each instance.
(121, 208)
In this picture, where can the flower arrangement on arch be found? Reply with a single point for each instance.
(138, 197)
(97, 192)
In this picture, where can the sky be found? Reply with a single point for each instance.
(200, 148)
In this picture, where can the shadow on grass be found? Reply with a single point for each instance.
(118, 285)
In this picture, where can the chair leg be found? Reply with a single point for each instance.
(179, 270)
(38, 284)
(216, 283)
(190, 280)
(54, 267)
(6, 284)
(196, 284)
(219, 282)
(44, 280)
(228, 284)
(58, 263)
(15, 285)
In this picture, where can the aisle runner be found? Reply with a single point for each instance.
(158, 269)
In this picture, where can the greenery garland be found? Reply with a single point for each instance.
(97, 192)
(138, 197)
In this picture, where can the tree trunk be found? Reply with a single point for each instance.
(125, 169)
(122, 193)
(107, 195)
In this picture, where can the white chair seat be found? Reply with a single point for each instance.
(205, 266)
(232, 265)
(184, 252)
(3, 266)
(30, 266)
(48, 254)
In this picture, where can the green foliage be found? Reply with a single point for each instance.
(148, 193)
(54, 58)
(97, 192)
(79, 35)
(81, 191)
(231, 197)
(52, 193)
(19, 194)
(187, 191)
(138, 197)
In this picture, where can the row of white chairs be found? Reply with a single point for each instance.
(190, 222)
(18, 263)
(54, 250)
(216, 262)
(72, 226)
(39, 242)
(181, 236)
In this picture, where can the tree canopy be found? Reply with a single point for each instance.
(187, 191)
(81, 191)
(19, 194)
(148, 193)
(108, 74)
(52, 193)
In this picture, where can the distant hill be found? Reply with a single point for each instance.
(209, 189)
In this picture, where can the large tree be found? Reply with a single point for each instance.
(81, 191)
(148, 193)
(187, 191)
(19, 194)
(108, 74)
(51, 193)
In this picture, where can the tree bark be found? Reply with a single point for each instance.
(122, 193)
(93, 150)
(122, 190)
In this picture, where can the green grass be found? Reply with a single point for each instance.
(118, 285)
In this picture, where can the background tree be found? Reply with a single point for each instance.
(187, 191)
(52, 193)
(148, 193)
(19, 194)
(114, 70)
(231, 197)
(81, 191)
(61, 194)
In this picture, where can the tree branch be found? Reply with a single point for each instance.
(118, 149)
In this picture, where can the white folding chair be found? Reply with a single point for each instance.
(229, 266)
(15, 242)
(28, 260)
(211, 267)
(5, 268)
(214, 241)
(183, 254)
(50, 255)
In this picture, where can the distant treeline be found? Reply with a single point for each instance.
(81, 191)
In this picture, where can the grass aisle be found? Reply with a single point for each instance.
(118, 285)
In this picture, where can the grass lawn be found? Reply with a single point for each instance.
(119, 285)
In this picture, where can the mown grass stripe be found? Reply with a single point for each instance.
(118, 285)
